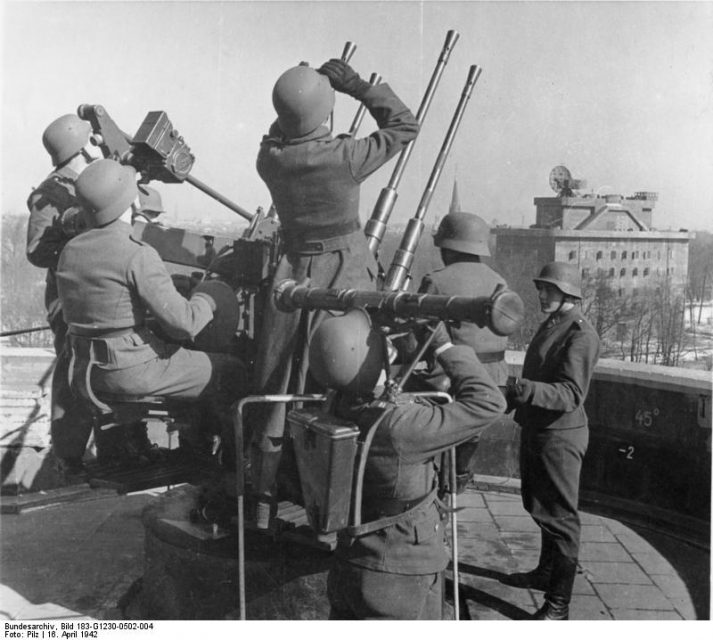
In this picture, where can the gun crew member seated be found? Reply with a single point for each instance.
(396, 572)
(55, 217)
(549, 403)
(314, 180)
(108, 281)
(150, 206)
(463, 240)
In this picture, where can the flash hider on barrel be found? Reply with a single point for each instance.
(502, 312)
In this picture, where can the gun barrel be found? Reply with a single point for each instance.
(348, 52)
(376, 226)
(356, 123)
(502, 312)
(403, 258)
(216, 196)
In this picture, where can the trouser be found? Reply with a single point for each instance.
(71, 421)
(550, 466)
(357, 593)
(215, 380)
(281, 361)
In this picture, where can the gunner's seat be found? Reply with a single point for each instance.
(177, 461)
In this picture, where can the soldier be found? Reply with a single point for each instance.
(314, 180)
(150, 206)
(394, 570)
(463, 239)
(549, 401)
(108, 282)
(54, 219)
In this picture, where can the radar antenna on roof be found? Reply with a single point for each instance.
(562, 183)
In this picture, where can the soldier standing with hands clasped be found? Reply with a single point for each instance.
(549, 402)
(314, 180)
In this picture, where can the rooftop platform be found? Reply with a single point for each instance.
(81, 557)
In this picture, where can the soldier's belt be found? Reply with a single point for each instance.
(101, 334)
(320, 241)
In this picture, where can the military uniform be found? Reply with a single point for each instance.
(70, 423)
(314, 183)
(396, 572)
(556, 374)
(475, 280)
(107, 282)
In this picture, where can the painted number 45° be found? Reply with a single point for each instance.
(645, 418)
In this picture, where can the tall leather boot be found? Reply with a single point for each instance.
(539, 577)
(263, 472)
(559, 592)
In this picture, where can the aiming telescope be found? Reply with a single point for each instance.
(502, 311)
(157, 152)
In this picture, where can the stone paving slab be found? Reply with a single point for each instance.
(627, 596)
(603, 552)
(615, 573)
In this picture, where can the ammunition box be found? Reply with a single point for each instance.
(325, 448)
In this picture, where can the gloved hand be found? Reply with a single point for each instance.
(344, 79)
(441, 341)
(211, 291)
(519, 392)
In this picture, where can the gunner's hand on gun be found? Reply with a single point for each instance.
(344, 79)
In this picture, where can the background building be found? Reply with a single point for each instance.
(606, 236)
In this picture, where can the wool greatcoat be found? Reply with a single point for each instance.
(556, 375)
(70, 423)
(314, 181)
(395, 572)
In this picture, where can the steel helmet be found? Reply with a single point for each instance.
(303, 99)
(464, 232)
(150, 201)
(65, 137)
(107, 188)
(563, 276)
(346, 353)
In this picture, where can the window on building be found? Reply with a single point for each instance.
(622, 273)
(572, 255)
(635, 272)
(623, 255)
(585, 273)
(600, 255)
(612, 272)
(612, 255)
(634, 292)
(621, 292)
(646, 271)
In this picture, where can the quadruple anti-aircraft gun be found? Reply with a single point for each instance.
(330, 472)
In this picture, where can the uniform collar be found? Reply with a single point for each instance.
(560, 317)
(276, 134)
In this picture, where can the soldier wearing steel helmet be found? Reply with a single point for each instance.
(314, 179)
(55, 217)
(108, 282)
(392, 568)
(462, 238)
(549, 402)
(150, 206)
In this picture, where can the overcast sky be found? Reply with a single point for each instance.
(619, 92)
